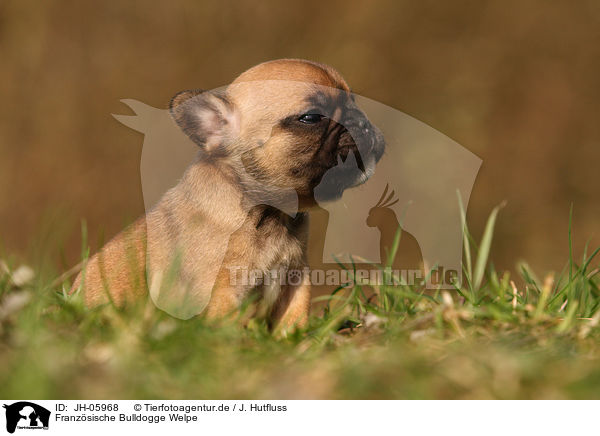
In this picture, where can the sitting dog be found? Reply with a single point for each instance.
(265, 144)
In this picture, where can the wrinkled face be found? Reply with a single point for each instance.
(305, 135)
(319, 143)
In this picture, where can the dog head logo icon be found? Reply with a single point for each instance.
(26, 415)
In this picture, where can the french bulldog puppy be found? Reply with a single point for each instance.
(271, 143)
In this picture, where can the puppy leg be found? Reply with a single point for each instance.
(292, 307)
(223, 304)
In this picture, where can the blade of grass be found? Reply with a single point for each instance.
(466, 246)
(484, 248)
(571, 244)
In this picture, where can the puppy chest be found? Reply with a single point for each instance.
(278, 246)
(275, 252)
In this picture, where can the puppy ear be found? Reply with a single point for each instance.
(210, 119)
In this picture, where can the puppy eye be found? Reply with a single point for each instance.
(310, 118)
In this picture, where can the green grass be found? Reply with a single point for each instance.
(487, 338)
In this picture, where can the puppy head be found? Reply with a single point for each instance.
(289, 124)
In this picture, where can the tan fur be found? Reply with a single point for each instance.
(213, 203)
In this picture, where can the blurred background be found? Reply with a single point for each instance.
(514, 82)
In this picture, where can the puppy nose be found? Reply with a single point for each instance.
(365, 126)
